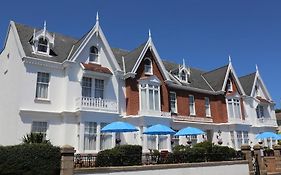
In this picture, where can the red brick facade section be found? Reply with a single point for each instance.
(132, 90)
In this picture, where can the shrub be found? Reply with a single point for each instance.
(123, 155)
(29, 159)
(35, 138)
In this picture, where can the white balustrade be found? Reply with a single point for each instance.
(99, 104)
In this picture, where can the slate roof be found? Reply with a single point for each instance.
(216, 77)
(247, 82)
(63, 44)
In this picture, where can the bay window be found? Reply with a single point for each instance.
(150, 97)
(233, 108)
(260, 111)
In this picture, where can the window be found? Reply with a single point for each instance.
(151, 142)
(239, 139)
(94, 54)
(229, 87)
(245, 137)
(86, 87)
(43, 45)
(233, 107)
(90, 135)
(147, 66)
(162, 139)
(260, 111)
(191, 105)
(150, 97)
(99, 88)
(105, 139)
(39, 127)
(232, 139)
(207, 107)
(173, 102)
(183, 75)
(42, 86)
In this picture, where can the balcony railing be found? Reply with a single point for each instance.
(266, 122)
(97, 104)
(238, 121)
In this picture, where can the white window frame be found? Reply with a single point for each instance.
(86, 87)
(173, 101)
(41, 83)
(234, 102)
(99, 88)
(207, 107)
(191, 105)
(48, 46)
(96, 55)
(148, 87)
(37, 124)
(93, 134)
(148, 67)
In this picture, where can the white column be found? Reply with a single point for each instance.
(169, 146)
(98, 143)
(144, 140)
(113, 140)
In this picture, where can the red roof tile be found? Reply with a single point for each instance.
(96, 68)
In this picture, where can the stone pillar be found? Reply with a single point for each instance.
(67, 160)
(246, 150)
(258, 150)
(277, 155)
(169, 145)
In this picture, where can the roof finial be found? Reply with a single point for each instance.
(257, 68)
(149, 33)
(97, 17)
(45, 25)
(183, 63)
(34, 35)
(124, 66)
(229, 59)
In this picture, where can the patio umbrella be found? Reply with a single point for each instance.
(159, 130)
(119, 127)
(189, 131)
(266, 135)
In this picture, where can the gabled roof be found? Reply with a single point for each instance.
(130, 57)
(63, 44)
(247, 82)
(216, 77)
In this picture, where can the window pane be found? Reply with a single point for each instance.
(86, 87)
(90, 136)
(157, 108)
(106, 139)
(99, 88)
(173, 101)
(151, 141)
(42, 85)
(162, 142)
(93, 57)
(191, 105)
(143, 99)
(151, 101)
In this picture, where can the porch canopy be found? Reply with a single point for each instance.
(159, 130)
(189, 131)
(119, 127)
(267, 135)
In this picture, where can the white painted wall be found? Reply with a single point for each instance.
(241, 169)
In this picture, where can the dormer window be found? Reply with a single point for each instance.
(229, 87)
(183, 75)
(43, 45)
(94, 54)
(148, 66)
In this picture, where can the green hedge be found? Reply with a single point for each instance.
(124, 155)
(29, 159)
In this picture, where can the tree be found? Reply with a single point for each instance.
(35, 138)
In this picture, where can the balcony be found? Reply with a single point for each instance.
(96, 104)
(266, 122)
(187, 118)
(238, 121)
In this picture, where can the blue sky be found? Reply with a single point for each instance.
(204, 33)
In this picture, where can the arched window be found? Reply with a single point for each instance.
(147, 66)
(229, 87)
(94, 53)
(42, 45)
